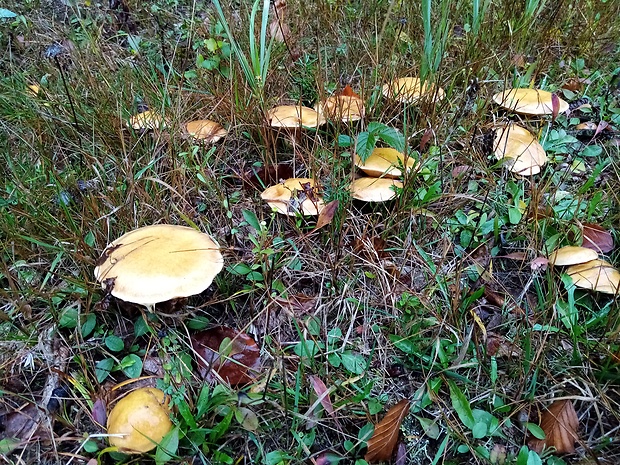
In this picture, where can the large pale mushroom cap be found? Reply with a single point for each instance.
(528, 101)
(342, 107)
(290, 197)
(292, 116)
(527, 157)
(206, 130)
(410, 90)
(384, 162)
(572, 255)
(374, 189)
(143, 417)
(147, 120)
(158, 263)
(597, 275)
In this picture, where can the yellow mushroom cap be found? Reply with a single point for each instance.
(290, 198)
(206, 130)
(596, 275)
(410, 90)
(528, 101)
(374, 189)
(527, 156)
(143, 417)
(147, 120)
(342, 107)
(292, 116)
(158, 263)
(571, 255)
(385, 162)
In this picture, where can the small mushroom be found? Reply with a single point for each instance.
(571, 255)
(206, 131)
(158, 263)
(596, 275)
(532, 102)
(345, 108)
(294, 196)
(146, 120)
(525, 154)
(294, 117)
(410, 90)
(385, 162)
(139, 421)
(374, 189)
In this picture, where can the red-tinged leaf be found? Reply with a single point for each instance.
(348, 92)
(99, 412)
(555, 106)
(297, 304)
(382, 442)
(560, 424)
(520, 256)
(602, 125)
(321, 390)
(460, 170)
(327, 458)
(425, 138)
(539, 263)
(326, 216)
(597, 238)
(401, 454)
(238, 364)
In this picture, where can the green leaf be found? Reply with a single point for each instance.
(89, 324)
(103, 369)
(592, 151)
(533, 458)
(480, 430)
(114, 343)
(198, 322)
(246, 418)
(461, 405)
(167, 447)
(365, 145)
(8, 445)
(6, 14)
(277, 457)
(69, 318)
(131, 366)
(89, 239)
(430, 427)
(535, 430)
(140, 327)
(355, 363)
(252, 219)
(204, 399)
(522, 457)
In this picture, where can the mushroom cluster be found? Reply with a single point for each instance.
(295, 196)
(586, 269)
(384, 166)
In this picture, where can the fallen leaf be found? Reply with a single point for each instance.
(401, 454)
(278, 28)
(597, 238)
(297, 304)
(602, 125)
(555, 106)
(349, 92)
(239, 362)
(99, 412)
(539, 263)
(560, 424)
(425, 138)
(326, 215)
(321, 390)
(382, 442)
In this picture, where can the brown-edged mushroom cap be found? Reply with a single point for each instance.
(385, 162)
(294, 196)
(294, 116)
(410, 90)
(525, 155)
(528, 101)
(205, 130)
(158, 263)
(345, 108)
(571, 255)
(596, 275)
(147, 120)
(142, 417)
(374, 189)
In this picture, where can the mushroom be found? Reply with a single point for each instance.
(571, 255)
(345, 108)
(146, 120)
(157, 263)
(526, 155)
(206, 131)
(294, 196)
(596, 275)
(374, 189)
(385, 162)
(532, 102)
(410, 90)
(294, 117)
(139, 421)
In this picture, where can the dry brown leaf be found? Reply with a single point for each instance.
(381, 444)
(326, 215)
(349, 92)
(321, 390)
(278, 28)
(560, 424)
(597, 238)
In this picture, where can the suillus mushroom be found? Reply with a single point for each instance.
(139, 421)
(205, 131)
(523, 152)
(596, 275)
(146, 120)
(345, 108)
(374, 189)
(533, 102)
(385, 162)
(571, 255)
(410, 90)
(294, 196)
(157, 263)
(294, 116)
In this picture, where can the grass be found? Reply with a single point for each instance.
(418, 298)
